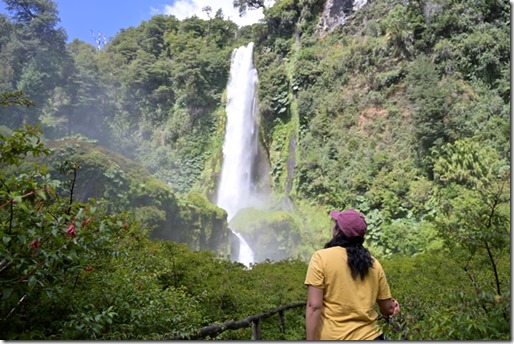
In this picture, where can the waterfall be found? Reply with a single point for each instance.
(245, 252)
(236, 189)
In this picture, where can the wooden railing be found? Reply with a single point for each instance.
(253, 320)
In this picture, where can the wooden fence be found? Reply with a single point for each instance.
(253, 320)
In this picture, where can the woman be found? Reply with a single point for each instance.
(344, 283)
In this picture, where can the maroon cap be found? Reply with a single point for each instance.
(351, 222)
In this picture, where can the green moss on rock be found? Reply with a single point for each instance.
(127, 186)
(273, 235)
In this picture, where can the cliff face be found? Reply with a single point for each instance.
(127, 186)
(336, 12)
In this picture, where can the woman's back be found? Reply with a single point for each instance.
(348, 303)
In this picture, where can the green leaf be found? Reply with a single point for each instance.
(22, 238)
(41, 194)
(32, 281)
(23, 207)
(6, 293)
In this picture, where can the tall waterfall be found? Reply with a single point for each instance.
(236, 189)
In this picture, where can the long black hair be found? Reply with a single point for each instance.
(359, 258)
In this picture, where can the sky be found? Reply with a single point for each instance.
(89, 19)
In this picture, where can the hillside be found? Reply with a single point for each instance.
(352, 118)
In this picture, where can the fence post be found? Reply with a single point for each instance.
(281, 322)
(256, 329)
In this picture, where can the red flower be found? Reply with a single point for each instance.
(71, 232)
(34, 244)
(88, 268)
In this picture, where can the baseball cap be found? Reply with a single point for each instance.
(351, 222)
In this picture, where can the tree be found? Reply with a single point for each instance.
(15, 98)
(82, 105)
(483, 53)
(38, 56)
(207, 10)
(283, 18)
(431, 109)
(398, 32)
(473, 211)
(7, 56)
(245, 5)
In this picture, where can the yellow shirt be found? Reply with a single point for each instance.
(348, 305)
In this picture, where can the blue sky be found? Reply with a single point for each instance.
(84, 18)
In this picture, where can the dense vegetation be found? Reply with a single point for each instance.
(403, 113)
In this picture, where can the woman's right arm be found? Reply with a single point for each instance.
(313, 312)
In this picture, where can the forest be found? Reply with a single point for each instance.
(110, 157)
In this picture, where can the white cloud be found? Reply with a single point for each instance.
(187, 8)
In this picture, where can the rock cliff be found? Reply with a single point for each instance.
(336, 12)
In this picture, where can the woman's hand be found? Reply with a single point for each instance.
(396, 307)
